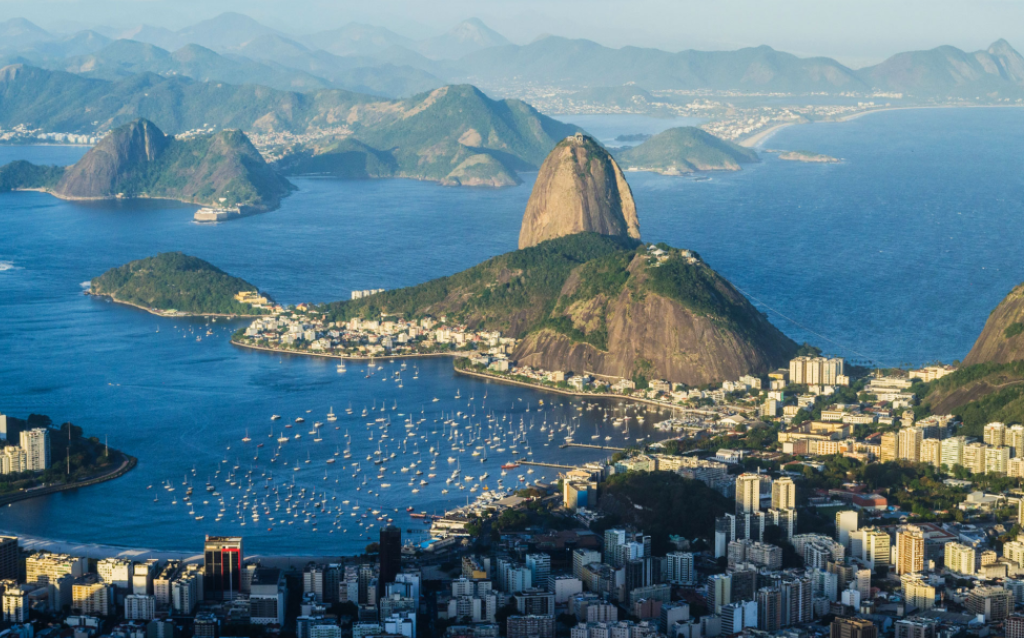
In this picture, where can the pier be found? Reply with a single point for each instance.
(553, 465)
(592, 447)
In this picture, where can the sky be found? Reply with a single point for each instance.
(857, 32)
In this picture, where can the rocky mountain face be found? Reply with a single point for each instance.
(1002, 339)
(137, 160)
(675, 319)
(579, 189)
(101, 171)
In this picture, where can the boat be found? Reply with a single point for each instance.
(510, 466)
(275, 417)
(246, 439)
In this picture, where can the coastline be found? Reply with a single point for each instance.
(164, 313)
(480, 375)
(347, 357)
(761, 136)
(582, 395)
(127, 465)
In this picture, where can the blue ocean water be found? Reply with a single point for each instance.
(896, 255)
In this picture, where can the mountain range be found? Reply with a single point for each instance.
(237, 49)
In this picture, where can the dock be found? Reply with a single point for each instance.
(592, 447)
(552, 465)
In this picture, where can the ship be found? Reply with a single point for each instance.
(510, 466)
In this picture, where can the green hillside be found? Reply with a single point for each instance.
(22, 175)
(175, 281)
(684, 150)
(514, 292)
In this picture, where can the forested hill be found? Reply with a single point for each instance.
(604, 304)
(175, 281)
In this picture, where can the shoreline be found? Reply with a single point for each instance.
(345, 357)
(761, 136)
(164, 313)
(127, 465)
(480, 375)
(573, 393)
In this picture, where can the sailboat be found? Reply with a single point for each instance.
(246, 439)
(331, 416)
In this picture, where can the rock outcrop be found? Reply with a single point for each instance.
(1002, 339)
(101, 171)
(579, 189)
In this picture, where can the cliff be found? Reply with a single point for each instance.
(1002, 339)
(579, 189)
(685, 149)
(601, 304)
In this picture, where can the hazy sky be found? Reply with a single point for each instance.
(855, 31)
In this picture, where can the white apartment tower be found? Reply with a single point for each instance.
(36, 443)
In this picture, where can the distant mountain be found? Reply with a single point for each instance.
(455, 134)
(158, 36)
(685, 149)
(356, 39)
(123, 58)
(464, 38)
(225, 31)
(138, 160)
(563, 62)
(355, 73)
(948, 71)
(19, 33)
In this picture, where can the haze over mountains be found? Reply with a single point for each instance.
(237, 49)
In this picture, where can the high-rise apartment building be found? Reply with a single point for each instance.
(815, 370)
(910, 444)
(909, 550)
(48, 568)
(36, 444)
(871, 545)
(748, 493)
(931, 452)
(846, 522)
(889, 447)
(390, 554)
(784, 494)
(960, 558)
(995, 434)
(974, 457)
(222, 567)
(10, 558)
(953, 451)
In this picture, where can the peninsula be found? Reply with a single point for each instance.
(582, 296)
(223, 170)
(176, 284)
(685, 149)
(28, 445)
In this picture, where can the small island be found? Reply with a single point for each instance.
(175, 284)
(807, 156)
(682, 150)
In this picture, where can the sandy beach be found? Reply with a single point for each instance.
(761, 136)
